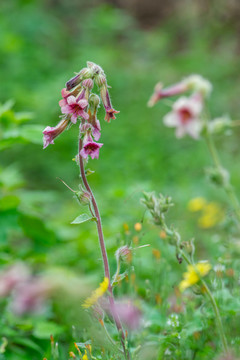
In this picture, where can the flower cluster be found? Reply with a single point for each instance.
(186, 111)
(79, 103)
(157, 205)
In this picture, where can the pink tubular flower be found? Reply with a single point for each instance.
(95, 124)
(110, 112)
(160, 93)
(185, 116)
(65, 94)
(90, 148)
(75, 107)
(50, 133)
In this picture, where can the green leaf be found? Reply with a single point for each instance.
(32, 133)
(44, 329)
(9, 202)
(27, 343)
(83, 218)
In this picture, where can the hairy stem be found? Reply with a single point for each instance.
(103, 250)
(214, 305)
(226, 185)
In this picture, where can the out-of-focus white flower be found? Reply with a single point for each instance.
(185, 116)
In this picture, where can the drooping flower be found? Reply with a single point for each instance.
(95, 123)
(193, 274)
(160, 93)
(50, 133)
(98, 293)
(185, 116)
(75, 107)
(94, 102)
(110, 111)
(90, 147)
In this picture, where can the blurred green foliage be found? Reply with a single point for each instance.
(42, 43)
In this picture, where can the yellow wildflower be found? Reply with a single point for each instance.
(193, 274)
(156, 253)
(138, 226)
(97, 294)
(85, 357)
(212, 215)
(196, 204)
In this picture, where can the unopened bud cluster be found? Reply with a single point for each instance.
(157, 205)
(78, 103)
(124, 254)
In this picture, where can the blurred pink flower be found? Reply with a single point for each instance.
(50, 133)
(185, 116)
(11, 277)
(29, 296)
(74, 107)
(160, 93)
(129, 314)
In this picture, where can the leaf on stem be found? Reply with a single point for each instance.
(83, 218)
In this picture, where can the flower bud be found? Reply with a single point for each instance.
(197, 83)
(220, 125)
(100, 80)
(219, 177)
(86, 73)
(88, 83)
(94, 102)
(124, 254)
(70, 84)
(83, 197)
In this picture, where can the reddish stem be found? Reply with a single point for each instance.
(103, 250)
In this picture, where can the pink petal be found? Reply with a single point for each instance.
(71, 100)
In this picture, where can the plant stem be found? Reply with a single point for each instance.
(227, 186)
(214, 305)
(103, 250)
(217, 316)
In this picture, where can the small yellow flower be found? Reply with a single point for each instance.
(212, 215)
(193, 274)
(162, 234)
(156, 253)
(96, 294)
(85, 357)
(196, 204)
(138, 226)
